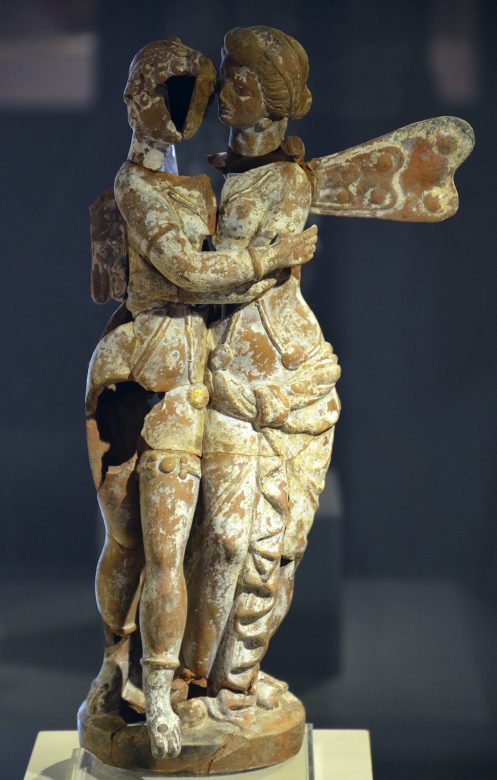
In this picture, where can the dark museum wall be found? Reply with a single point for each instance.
(406, 541)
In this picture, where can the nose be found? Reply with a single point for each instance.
(221, 91)
(224, 92)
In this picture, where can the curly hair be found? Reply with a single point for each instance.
(280, 63)
(150, 68)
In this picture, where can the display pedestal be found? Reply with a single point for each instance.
(338, 755)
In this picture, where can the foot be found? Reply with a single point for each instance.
(238, 709)
(269, 690)
(281, 685)
(192, 712)
(164, 726)
(164, 730)
(104, 696)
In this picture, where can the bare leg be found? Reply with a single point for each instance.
(118, 582)
(115, 410)
(121, 562)
(169, 483)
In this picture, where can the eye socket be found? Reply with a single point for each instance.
(177, 94)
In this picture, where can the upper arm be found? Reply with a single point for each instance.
(145, 209)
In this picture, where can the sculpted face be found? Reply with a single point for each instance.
(168, 91)
(241, 102)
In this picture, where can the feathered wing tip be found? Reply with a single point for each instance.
(406, 175)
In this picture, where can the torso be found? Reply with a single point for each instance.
(277, 332)
(186, 201)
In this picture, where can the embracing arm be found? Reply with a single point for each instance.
(153, 226)
(172, 254)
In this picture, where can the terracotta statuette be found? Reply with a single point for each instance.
(211, 403)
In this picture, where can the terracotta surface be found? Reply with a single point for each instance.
(208, 745)
(211, 401)
(338, 755)
(404, 175)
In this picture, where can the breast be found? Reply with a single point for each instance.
(277, 332)
(260, 204)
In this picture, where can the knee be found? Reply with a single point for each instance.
(162, 563)
(126, 540)
(174, 464)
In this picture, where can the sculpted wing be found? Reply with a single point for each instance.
(109, 250)
(404, 175)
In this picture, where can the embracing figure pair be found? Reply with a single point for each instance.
(211, 400)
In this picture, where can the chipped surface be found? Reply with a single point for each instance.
(210, 746)
(210, 426)
(404, 175)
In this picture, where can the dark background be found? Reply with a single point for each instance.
(394, 625)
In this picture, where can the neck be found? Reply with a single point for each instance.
(259, 139)
(147, 152)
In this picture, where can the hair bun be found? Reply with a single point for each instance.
(281, 66)
(303, 105)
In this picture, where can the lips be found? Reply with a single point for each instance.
(225, 111)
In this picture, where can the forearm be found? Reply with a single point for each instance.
(154, 230)
(199, 271)
(245, 293)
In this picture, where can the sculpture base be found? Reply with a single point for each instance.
(210, 747)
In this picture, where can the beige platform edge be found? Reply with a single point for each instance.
(338, 755)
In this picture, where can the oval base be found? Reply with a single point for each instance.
(209, 747)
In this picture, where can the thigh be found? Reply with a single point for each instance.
(169, 485)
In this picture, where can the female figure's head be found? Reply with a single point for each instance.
(263, 77)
